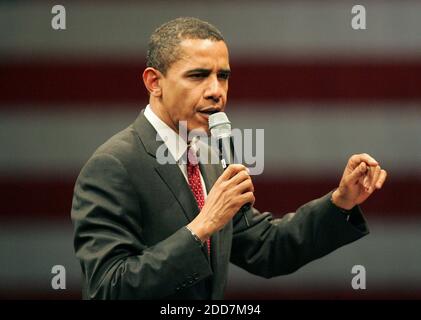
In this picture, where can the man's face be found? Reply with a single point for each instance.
(196, 85)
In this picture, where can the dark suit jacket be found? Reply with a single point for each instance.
(129, 215)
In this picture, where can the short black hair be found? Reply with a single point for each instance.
(163, 47)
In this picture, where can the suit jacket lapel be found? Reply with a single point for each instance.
(210, 175)
(178, 185)
(169, 172)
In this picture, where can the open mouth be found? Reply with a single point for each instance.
(208, 112)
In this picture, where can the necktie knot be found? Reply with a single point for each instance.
(192, 154)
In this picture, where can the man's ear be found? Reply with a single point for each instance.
(151, 77)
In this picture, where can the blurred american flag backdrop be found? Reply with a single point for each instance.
(320, 90)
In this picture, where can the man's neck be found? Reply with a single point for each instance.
(158, 110)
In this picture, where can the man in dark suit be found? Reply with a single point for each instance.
(146, 230)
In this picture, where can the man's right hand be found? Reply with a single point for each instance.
(231, 191)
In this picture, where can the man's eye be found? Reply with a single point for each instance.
(224, 76)
(198, 75)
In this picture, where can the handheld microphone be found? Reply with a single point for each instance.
(220, 128)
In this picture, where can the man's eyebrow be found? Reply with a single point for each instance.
(198, 70)
(202, 70)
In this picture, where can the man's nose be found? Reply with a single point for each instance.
(215, 90)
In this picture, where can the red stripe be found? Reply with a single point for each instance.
(398, 197)
(101, 83)
(36, 198)
(51, 198)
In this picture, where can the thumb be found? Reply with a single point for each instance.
(358, 172)
(231, 171)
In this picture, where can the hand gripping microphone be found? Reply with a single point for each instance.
(220, 128)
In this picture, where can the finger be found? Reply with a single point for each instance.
(357, 173)
(356, 159)
(231, 171)
(377, 170)
(245, 186)
(382, 179)
(247, 197)
(239, 178)
(367, 178)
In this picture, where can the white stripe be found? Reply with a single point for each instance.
(304, 28)
(390, 255)
(299, 139)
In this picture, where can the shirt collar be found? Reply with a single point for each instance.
(176, 145)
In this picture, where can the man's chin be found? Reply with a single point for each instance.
(200, 131)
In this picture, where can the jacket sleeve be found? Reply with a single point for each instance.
(270, 247)
(115, 263)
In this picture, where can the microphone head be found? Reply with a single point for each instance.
(219, 125)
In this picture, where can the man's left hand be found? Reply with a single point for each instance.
(362, 176)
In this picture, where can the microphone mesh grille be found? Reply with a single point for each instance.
(219, 125)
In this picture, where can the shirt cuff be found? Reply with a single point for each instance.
(196, 238)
